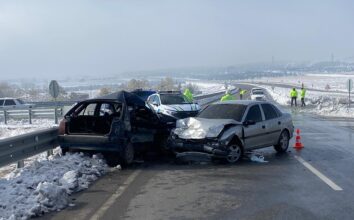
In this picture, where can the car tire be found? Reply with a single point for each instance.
(128, 154)
(283, 143)
(235, 153)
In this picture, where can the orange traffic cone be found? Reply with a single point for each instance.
(298, 145)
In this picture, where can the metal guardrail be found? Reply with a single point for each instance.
(31, 113)
(16, 149)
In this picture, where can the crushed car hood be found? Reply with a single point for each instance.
(200, 128)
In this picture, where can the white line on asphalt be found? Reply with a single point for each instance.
(102, 210)
(319, 174)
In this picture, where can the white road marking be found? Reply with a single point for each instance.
(325, 179)
(102, 210)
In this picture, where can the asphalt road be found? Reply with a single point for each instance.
(314, 183)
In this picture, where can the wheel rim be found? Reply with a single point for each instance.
(129, 153)
(284, 141)
(234, 154)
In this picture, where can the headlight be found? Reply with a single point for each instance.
(215, 131)
(168, 112)
(181, 123)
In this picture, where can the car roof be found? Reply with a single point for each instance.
(241, 102)
(122, 97)
(143, 92)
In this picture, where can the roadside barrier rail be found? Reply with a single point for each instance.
(31, 113)
(18, 148)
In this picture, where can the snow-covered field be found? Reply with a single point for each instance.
(209, 87)
(332, 102)
(45, 184)
(336, 82)
(14, 128)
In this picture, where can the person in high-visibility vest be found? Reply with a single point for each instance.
(227, 96)
(302, 95)
(242, 92)
(293, 96)
(188, 94)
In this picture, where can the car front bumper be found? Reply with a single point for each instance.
(213, 148)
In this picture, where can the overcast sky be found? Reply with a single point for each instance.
(105, 37)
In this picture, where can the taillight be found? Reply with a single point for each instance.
(62, 126)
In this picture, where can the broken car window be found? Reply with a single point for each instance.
(89, 110)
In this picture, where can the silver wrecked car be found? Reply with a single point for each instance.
(227, 129)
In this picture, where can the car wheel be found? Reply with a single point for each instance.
(128, 154)
(283, 142)
(235, 153)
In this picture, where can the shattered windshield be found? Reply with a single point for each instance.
(173, 99)
(223, 111)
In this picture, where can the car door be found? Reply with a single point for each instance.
(254, 133)
(272, 124)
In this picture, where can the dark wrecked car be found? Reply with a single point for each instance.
(227, 129)
(120, 125)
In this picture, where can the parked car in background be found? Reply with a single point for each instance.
(119, 125)
(258, 94)
(172, 105)
(13, 103)
(228, 129)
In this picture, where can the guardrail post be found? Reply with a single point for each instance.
(20, 164)
(5, 117)
(49, 152)
(30, 116)
(55, 115)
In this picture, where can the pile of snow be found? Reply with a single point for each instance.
(321, 103)
(14, 128)
(45, 184)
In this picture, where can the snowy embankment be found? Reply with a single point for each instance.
(321, 103)
(14, 128)
(46, 183)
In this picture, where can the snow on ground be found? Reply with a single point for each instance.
(17, 127)
(336, 82)
(321, 103)
(14, 128)
(46, 184)
(208, 87)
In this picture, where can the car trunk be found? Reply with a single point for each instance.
(89, 125)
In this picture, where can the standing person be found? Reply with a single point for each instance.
(227, 96)
(188, 94)
(242, 92)
(293, 96)
(302, 95)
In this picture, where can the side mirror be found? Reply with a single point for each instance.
(155, 103)
(249, 122)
